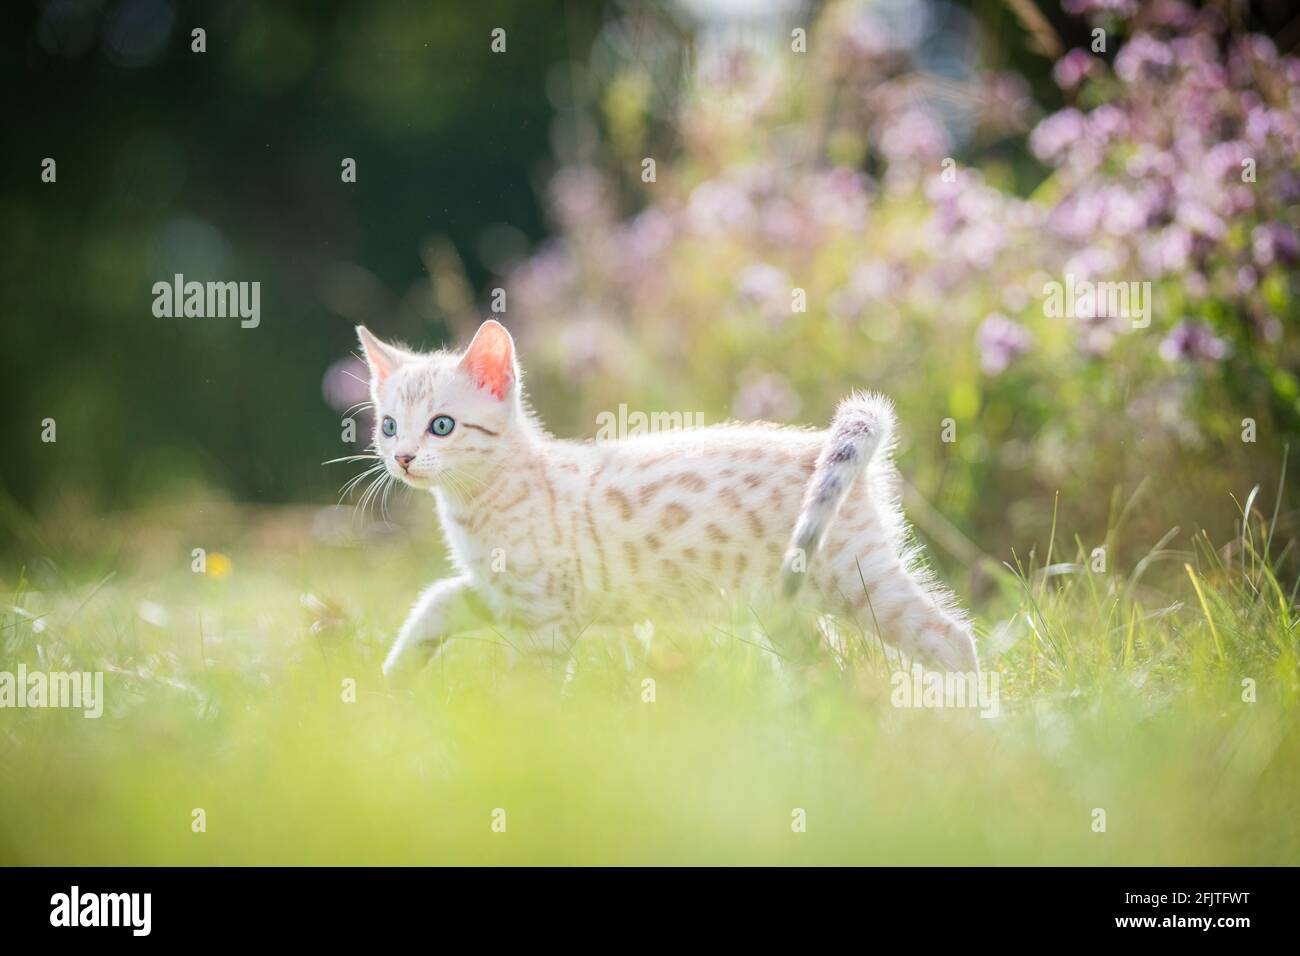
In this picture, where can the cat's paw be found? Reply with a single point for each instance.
(406, 660)
(951, 649)
(393, 667)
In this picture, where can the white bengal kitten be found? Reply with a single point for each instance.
(608, 531)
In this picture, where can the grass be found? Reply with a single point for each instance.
(1122, 690)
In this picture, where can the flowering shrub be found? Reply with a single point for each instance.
(808, 229)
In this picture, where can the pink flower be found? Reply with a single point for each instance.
(1274, 242)
(1192, 341)
(1057, 133)
(1001, 341)
(1144, 57)
(1075, 67)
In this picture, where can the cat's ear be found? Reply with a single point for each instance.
(383, 359)
(490, 359)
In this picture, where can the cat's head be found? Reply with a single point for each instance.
(444, 419)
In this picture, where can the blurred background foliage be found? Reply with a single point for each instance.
(227, 165)
(773, 170)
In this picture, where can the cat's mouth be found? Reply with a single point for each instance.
(416, 479)
(422, 480)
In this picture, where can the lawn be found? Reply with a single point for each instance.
(1146, 715)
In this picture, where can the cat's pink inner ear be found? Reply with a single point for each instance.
(383, 359)
(490, 359)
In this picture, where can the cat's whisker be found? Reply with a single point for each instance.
(450, 476)
(359, 513)
(382, 499)
(459, 480)
(370, 454)
(367, 499)
(351, 483)
(468, 477)
(378, 464)
(377, 491)
(356, 479)
(461, 489)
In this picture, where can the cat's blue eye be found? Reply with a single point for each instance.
(389, 426)
(442, 425)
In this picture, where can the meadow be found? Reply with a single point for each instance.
(1164, 697)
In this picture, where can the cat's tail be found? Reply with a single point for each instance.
(862, 426)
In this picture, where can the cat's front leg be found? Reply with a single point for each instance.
(426, 627)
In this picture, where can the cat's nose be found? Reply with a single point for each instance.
(405, 461)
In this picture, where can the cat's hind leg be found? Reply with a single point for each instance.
(870, 583)
(426, 627)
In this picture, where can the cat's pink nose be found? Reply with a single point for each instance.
(405, 461)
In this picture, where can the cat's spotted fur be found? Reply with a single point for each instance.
(558, 534)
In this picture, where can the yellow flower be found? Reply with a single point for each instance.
(219, 566)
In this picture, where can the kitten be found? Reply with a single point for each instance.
(556, 534)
